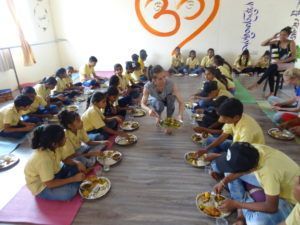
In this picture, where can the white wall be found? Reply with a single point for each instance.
(47, 56)
(111, 30)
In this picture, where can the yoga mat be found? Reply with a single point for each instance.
(25, 208)
(266, 108)
(243, 94)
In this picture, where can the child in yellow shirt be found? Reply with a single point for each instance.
(263, 63)
(223, 66)
(75, 136)
(177, 64)
(45, 175)
(208, 60)
(39, 109)
(192, 64)
(11, 125)
(243, 63)
(69, 80)
(96, 124)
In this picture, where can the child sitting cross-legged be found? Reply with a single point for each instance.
(76, 136)
(96, 124)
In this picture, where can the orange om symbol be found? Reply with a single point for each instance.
(162, 10)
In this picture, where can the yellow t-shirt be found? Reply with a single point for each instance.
(74, 141)
(226, 93)
(192, 63)
(128, 79)
(207, 62)
(230, 84)
(177, 61)
(38, 101)
(136, 76)
(68, 81)
(142, 64)
(276, 172)
(246, 130)
(122, 83)
(220, 85)
(9, 115)
(263, 62)
(42, 91)
(42, 167)
(86, 72)
(93, 119)
(225, 71)
(243, 63)
(294, 217)
(60, 86)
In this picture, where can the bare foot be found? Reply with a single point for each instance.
(168, 131)
(157, 122)
(253, 86)
(270, 94)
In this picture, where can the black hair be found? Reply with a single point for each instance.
(220, 61)
(22, 101)
(49, 81)
(231, 107)
(70, 68)
(287, 29)
(129, 65)
(177, 48)
(153, 70)
(137, 65)
(218, 75)
(46, 135)
(28, 90)
(267, 52)
(114, 81)
(118, 65)
(112, 91)
(219, 101)
(93, 59)
(247, 53)
(192, 51)
(135, 57)
(60, 72)
(67, 117)
(211, 49)
(96, 97)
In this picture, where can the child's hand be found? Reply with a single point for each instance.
(295, 130)
(200, 129)
(81, 167)
(218, 188)
(201, 152)
(106, 143)
(123, 134)
(78, 177)
(153, 113)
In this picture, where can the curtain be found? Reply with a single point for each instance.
(27, 52)
(6, 62)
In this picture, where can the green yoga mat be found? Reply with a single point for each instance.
(243, 94)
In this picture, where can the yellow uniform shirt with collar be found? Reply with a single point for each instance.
(177, 61)
(68, 81)
(60, 86)
(86, 72)
(263, 63)
(243, 63)
(136, 76)
(73, 141)
(220, 85)
(93, 119)
(42, 167)
(38, 101)
(225, 71)
(192, 63)
(42, 91)
(226, 93)
(128, 78)
(276, 172)
(122, 83)
(9, 115)
(230, 84)
(294, 217)
(206, 61)
(246, 130)
(142, 63)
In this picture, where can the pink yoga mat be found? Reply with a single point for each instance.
(25, 208)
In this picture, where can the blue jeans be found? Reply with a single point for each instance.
(159, 105)
(14, 135)
(238, 193)
(31, 119)
(89, 83)
(65, 192)
(100, 134)
(223, 147)
(87, 161)
(176, 70)
(196, 70)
